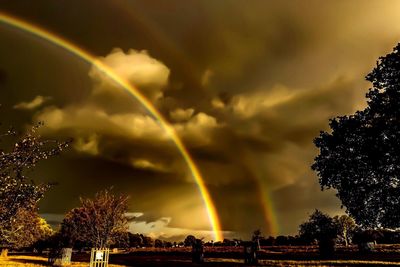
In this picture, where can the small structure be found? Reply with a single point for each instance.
(250, 252)
(99, 257)
(197, 251)
(4, 253)
(366, 247)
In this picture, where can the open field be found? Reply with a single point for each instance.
(385, 255)
(35, 261)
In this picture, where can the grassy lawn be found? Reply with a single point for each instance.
(385, 255)
(327, 263)
(36, 261)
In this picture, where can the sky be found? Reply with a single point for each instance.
(246, 85)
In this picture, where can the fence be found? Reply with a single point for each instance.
(99, 257)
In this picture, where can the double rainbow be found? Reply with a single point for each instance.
(91, 59)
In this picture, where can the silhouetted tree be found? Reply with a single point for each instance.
(100, 221)
(167, 244)
(281, 240)
(17, 190)
(257, 235)
(389, 237)
(270, 241)
(250, 249)
(147, 241)
(135, 240)
(198, 251)
(158, 243)
(360, 156)
(320, 227)
(189, 240)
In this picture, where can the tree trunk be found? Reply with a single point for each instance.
(4, 253)
(63, 257)
(326, 247)
(346, 238)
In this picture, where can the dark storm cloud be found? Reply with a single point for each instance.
(246, 85)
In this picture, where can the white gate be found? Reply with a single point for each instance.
(99, 257)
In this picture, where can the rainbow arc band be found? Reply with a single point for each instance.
(86, 56)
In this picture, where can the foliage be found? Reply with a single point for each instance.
(360, 158)
(17, 190)
(346, 226)
(135, 240)
(100, 222)
(189, 240)
(257, 235)
(158, 243)
(388, 237)
(319, 226)
(27, 228)
(322, 228)
(147, 241)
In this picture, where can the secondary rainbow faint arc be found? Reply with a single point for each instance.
(72, 48)
(165, 42)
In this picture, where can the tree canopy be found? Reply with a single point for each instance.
(28, 228)
(100, 222)
(346, 226)
(320, 226)
(17, 190)
(360, 156)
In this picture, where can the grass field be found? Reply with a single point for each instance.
(385, 255)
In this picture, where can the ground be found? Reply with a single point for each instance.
(385, 255)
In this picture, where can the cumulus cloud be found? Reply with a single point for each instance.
(248, 105)
(138, 68)
(198, 130)
(107, 113)
(180, 114)
(217, 103)
(148, 165)
(108, 121)
(37, 102)
(89, 144)
(94, 120)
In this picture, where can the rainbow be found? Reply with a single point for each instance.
(270, 216)
(91, 59)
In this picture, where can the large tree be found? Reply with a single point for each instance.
(322, 228)
(100, 222)
(17, 190)
(27, 228)
(359, 156)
